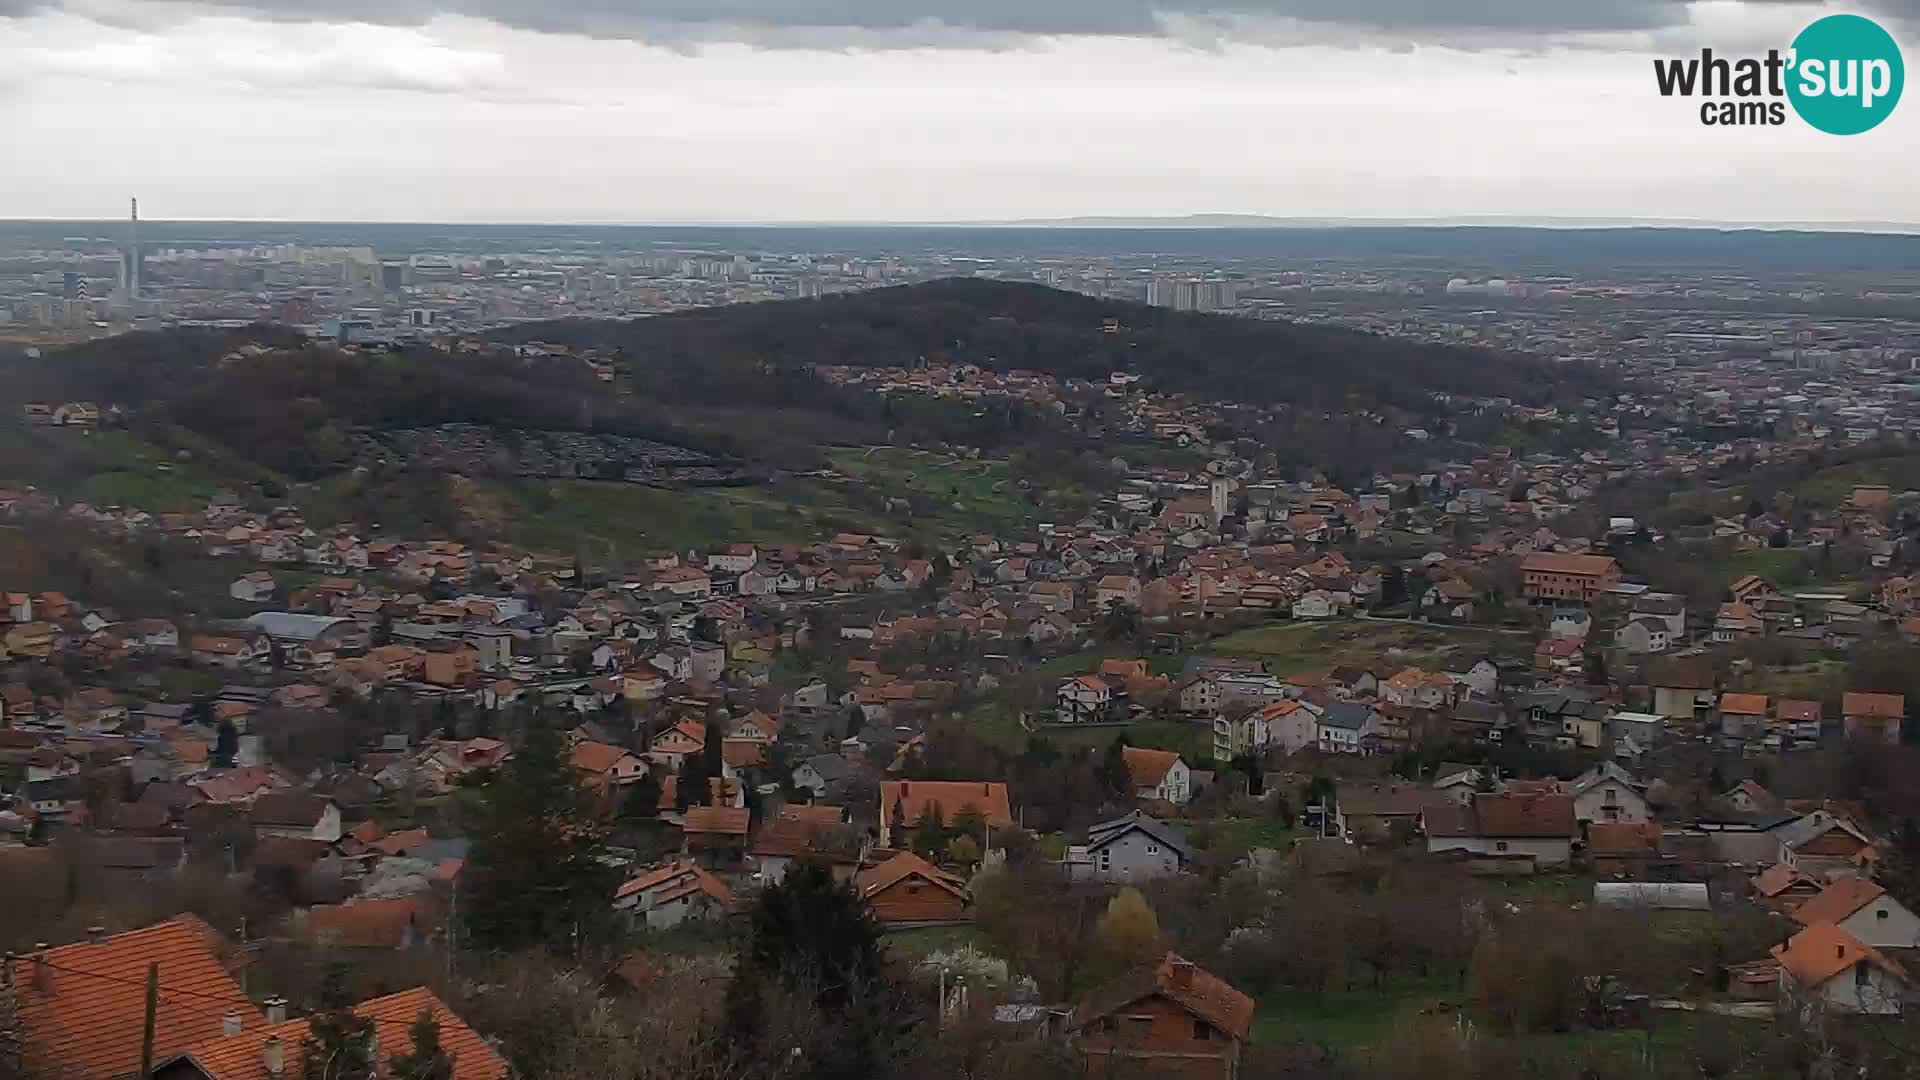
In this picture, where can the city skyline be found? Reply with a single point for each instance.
(448, 113)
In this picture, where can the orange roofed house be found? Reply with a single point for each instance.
(271, 1051)
(907, 890)
(1837, 971)
(1873, 717)
(1548, 577)
(82, 1006)
(903, 801)
(1170, 1018)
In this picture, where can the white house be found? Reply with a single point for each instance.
(1824, 966)
(1609, 793)
(673, 894)
(1345, 726)
(1863, 909)
(1116, 589)
(1417, 689)
(1254, 688)
(297, 816)
(1316, 604)
(1482, 678)
(254, 588)
(736, 559)
(1158, 774)
(1084, 697)
(674, 661)
(819, 773)
(1540, 827)
(1199, 695)
(1643, 634)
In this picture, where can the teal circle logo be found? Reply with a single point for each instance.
(1846, 74)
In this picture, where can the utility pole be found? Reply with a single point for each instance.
(146, 1032)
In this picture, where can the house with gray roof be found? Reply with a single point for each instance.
(1130, 848)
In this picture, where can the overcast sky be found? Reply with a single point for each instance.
(911, 110)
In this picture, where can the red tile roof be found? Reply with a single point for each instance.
(1838, 901)
(83, 1008)
(876, 880)
(363, 924)
(1550, 562)
(912, 797)
(240, 1057)
(1148, 767)
(1187, 985)
(1818, 953)
(1883, 706)
(716, 820)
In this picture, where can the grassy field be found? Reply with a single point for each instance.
(950, 496)
(1833, 486)
(1348, 1018)
(1304, 646)
(625, 519)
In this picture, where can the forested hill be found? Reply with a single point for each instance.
(1006, 325)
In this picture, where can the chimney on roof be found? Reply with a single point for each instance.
(276, 1010)
(273, 1055)
(1180, 975)
(230, 1023)
(40, 965)
(96, 934)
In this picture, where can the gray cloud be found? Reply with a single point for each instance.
(904, 23)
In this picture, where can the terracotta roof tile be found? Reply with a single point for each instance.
(912, 797)
(83, 1009)
(1838, 901)
(1190, 986)
(1820, 952)
(240, 1057)
(1884, 706)
(363, 924)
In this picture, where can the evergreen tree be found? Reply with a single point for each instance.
(713, 761)
(811, 934)
(1595, 663)
(535, 872)
(448, 718)
(226, 744)
(929, 835)
(1114, 774)
(970, 822)
(1393, 588)
(427, 1060)
(643, 799)
(338, 1043)
(690, 785)
(856, 719)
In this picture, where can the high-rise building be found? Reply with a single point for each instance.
(132, 258)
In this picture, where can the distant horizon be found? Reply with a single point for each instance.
(1203, 220)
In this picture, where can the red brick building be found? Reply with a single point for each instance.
(1167, 1019)
(1549, 577)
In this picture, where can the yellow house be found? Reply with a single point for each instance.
(30, 639)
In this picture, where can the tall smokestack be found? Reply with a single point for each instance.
(131, 263)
